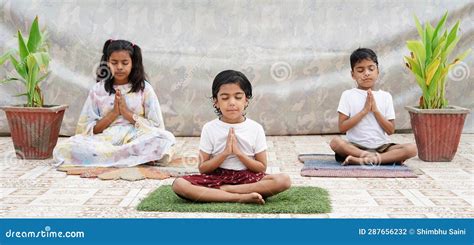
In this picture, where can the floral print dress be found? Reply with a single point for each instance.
(122, 144)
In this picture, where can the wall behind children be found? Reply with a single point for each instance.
(296, 53)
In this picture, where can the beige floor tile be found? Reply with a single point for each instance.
(33, 188)
(17, 200)
(106, 201)
(6, 191)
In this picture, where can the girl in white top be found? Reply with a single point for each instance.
(233, 156)
(367, 117)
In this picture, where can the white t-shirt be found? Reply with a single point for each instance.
(250, 137)
(368, 131)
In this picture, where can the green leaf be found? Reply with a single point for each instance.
(453, 33)
(450, 48)
(418, 50)
(414, 66)
(19, 67)
(427, 43)
(419, 28)
(32, 81)
(42, 59)
(430, 30)
(22, 48)
(37, 100)
(436, 78)
(44, 76)
(439, 48)
(431, 70)
(421, 84)
(439, 27)
(19, 95)
(9, 79)
(34, 39)
(462, 56)
(6, 56)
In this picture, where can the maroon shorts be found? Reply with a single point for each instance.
(222, 176)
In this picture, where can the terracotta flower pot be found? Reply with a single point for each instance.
(34, 130)
(437, 131)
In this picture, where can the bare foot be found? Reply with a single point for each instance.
(253, 197)
(351, 160)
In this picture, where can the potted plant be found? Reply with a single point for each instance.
(436, 125)
(34, 126)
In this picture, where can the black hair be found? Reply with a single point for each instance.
(137, 75)
(228, 77)
(363, 54)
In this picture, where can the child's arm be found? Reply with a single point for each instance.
(259, 164)
(387, 125)
(151, 106)
(108, 119)
(208, 164)
(346, 122)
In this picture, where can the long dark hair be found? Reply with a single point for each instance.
(137, 75)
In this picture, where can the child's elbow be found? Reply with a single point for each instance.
(202, 169)
(342, 129)
(391, 131)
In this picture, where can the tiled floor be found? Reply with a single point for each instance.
(444, 190)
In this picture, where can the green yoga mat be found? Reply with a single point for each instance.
(303, 200)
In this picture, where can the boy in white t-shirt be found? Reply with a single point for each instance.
(233, 156)
(367, 117)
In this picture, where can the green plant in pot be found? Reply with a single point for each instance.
(34, 126)
(436, 125)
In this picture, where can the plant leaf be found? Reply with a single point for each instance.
(19, 67)
(439, 27)
(427, 43)
(19, 95)
(414, 66)
(431, 69)
(6, 56)
(9, 79)
(419, 28)
(22, 48)
(42, 59)
(43, 77)
(32, 81)
(462, 56)
(418, 50)
(453, 33)
(450, 48)
(34, 39)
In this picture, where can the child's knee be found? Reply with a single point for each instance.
(335, 143)
(284, 181)
(411, 150)
(178, 185)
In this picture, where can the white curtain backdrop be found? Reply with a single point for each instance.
(296, 54)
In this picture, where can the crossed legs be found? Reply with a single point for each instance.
(244, 193)
(354, 155)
